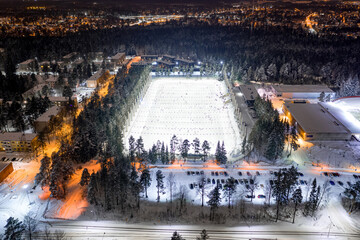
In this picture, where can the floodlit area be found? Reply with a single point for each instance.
(188, 108)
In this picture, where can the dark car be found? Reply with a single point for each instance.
(247, 186)
(249, 174)
(271, 182)
(236, 181)
(276, 174)
(213, 181)
(302, 182)
(212, 173)
(208, 180)
(349, 183)
(3, 159)
(301, 174)
(340, 183)
(332, 183)
(226, 174)
(197, 173)
(191, 186)
(216, 174)
(192, 173)
(202, 172)
(251, 181)
(261, 196)
(188, 173)
(218, 181)
(250, 196)
(355, 176)
(246, 181)
(240, 173)
(13, 159)
(222, 181)
(257, 173)
(336, 174)
(326, 174)
(241, 181)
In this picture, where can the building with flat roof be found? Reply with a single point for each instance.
(68, 58)
(43, 121)
(302, 91)
(51, 81)
(17, 142)
(249, 94)
(314, 122)
(118, 58)
(5, 170)
(97, 78)
(62, 101)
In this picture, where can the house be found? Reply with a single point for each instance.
(27, 66)
(51, 81)
(314, 122)
(62, 101)
(17, 142)
(43, 121)
(35, 91)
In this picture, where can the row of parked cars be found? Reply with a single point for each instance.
(5, 159)
(331, 174)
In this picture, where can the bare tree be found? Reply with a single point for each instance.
(30, 225)
(252, 185)
(171, 185)
(268, 191)
(47, 233)
(59, 235)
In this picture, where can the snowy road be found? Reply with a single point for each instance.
(115, 230)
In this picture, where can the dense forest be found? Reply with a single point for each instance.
(272, 54)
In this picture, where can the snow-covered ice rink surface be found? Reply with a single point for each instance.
(188, 108)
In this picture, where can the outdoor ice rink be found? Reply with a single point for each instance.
(188, 108)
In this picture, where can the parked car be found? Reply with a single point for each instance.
(191, 186)
(257, 173)
(325, 174)
(246, 181)
(250, 196)
(261, 196)
(213, 181)
(236, 182)
(241, 181)
(340, 183)
(332, 183)
(208, 180)
(271, 172)
(251, 181)
(302, 182)
(355, 176)
(193, 173)
(218, 181)
(202, 172)
(3, 159)
(188, 173)
(212, 173)
(226, 174)
(301, 174)
(222, 181)
(13, 159)
(249, 174)
(349, 183)
(336, 174)
(216, 174)
(247, 186)
(240, 173)
(271, 182)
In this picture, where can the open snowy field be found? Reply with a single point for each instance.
(188, 108)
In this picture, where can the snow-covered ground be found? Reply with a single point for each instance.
(188, 108)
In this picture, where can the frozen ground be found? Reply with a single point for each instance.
(188, 108)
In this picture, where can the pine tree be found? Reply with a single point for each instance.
(205, 148)
(135, 186)
(297, 199)
(159, 183)
(196, 145)
(185, 148)
(214, 201)
(218, 152)
(311, 204)
(13, 229)
(322, 97)
(173, 147)
(223, 154)
(92, 190)
(176, 236)
(162, 153)
(43, 177)
(167, 155)
(132, 148)
(229, 189)
(203, 235)
(293, 142)
(85, 177)
(139, 148)
(145, 180)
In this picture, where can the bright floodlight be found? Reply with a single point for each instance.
(221, 62)
(199, 62)
(154, 63)
(177, 63)
(25, 186)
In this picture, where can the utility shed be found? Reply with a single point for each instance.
(313, 122)
(302, 91)
(5, 170)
